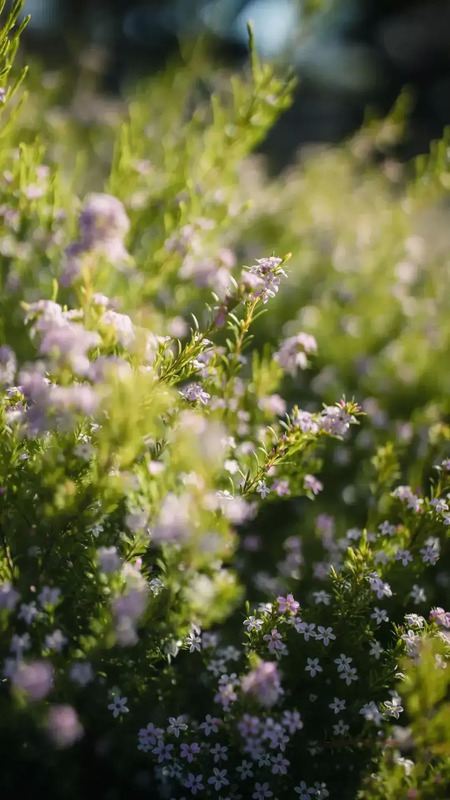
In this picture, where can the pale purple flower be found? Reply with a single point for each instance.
(264, 683)
(194, 392)
(287, 605)
(379, 615)
(262, 489)
(292, 721)
(375, 650)
(2, 95)
(371, 713)
(349, 676)
(343, 663)
(219, 779)
(274, 641)
(306, 629)
(163, 751)
(305, 791)
(335, 420)
(63, 725)
(176, 725)
(418, 594)
(122, 326)
(194, 783)
(306, 422)
(313, 667)
(189, 751)
(266, 271)
(312, 484)
(439, 504)
(280, 764)
(81, 672)
(292, 353)
(322, 597)
(404, 556)
(253, 624)
(340, 729)
(386, 529)
(194, 640)
(261, 791)
(281, 487)
(108, 559)
(34, 678)
(118, 705)
(20, 644)
(245, 770)
(210, 725)
(28, 612)
(55, 641)
(220, 752)
(337, 705)
(8, 595)
(102, 219)
(380, 587)
(430, 554)
(393, 708)
(325, 634)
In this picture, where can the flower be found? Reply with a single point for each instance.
(349, 675)
(55, 641)
(63, 725)
(108, 559)
(375, 649)
(81, 672)
(340, 729)
(218, 779)
(252, 624)
(189, 751)
(418, 595)
(325, 634)
(263, 683)
(195, 392)
(261, 791)
(34, 678)
(245, 770)
(313, 667)
(292, 353)
(379, 615)
(163, 751)
(371, 713)
(393, 708)
(287, 605)
(210, 725)
(176, 725)
(337, 705)
(275, 642)
(262, 489)
(194, 783)
(312, 484)
(118, 705)
(265, 274)
(404, 556)
(304, 791)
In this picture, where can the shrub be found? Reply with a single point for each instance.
(178, 618)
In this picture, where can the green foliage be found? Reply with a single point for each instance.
(161, 437)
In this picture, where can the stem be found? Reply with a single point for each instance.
(7, 551)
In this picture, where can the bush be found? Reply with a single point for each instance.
(178, 618)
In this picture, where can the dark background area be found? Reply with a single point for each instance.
(349, 54)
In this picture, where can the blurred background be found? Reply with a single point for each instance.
(349, 55)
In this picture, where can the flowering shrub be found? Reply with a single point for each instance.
(219, 578)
